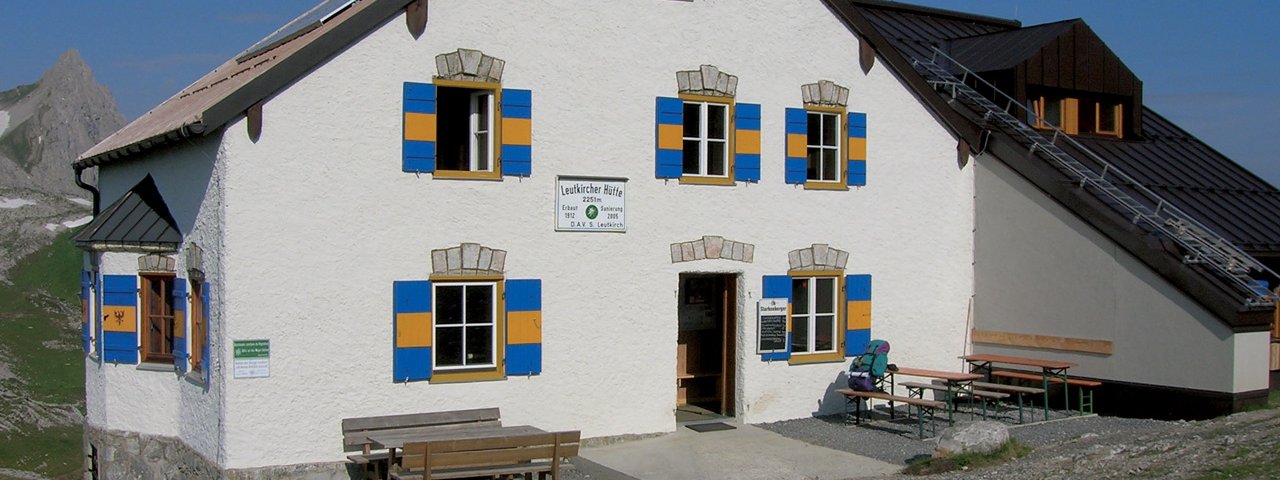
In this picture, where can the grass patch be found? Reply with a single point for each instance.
(46, 285)
(1264, 466)
(52, 452)
(1009, 451)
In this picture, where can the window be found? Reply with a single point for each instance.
(1046, 112)
(465, 329)
(706, 139)
(823, 147)
(466, 129)
(814, 314)
(157, 319)
(1108, 119)
(199, 328)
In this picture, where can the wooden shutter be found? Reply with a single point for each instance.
(120, 318)
(524, 327)
(180, 324)
(857, 294)
(86, 314)
(779, 286)
(669, 133)
(746, 142)
(857, 171)
(797, 163)
(411, 358)
(204, 314)
(419, 150)
(517, 132)
(98, 318)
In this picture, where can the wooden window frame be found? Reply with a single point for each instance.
(1068, 120)
(496, 371)
(730, 128)
(495, 131)
(842, 148)
(1117, 111)
(199, 325)
(167, 299)
(836, 355)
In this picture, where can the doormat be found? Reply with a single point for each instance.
(710, 427)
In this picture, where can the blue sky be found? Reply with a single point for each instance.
(1209, 66)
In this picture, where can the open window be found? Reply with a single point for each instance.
(465, 130)
(157, 318)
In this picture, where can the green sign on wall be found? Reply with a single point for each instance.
(251, 358)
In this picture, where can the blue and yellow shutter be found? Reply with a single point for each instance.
(86, 319)
(669, 137)
(180, 324)
(411, 358)
(857, 289)
(746, 142)
(524, 327)
(779, 286)
(120, 318)
(517, 132)
(419, 149)
(204, 313)
(857, 175)
(97, 303)
(797, 160)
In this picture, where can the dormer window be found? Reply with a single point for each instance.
(1075, 115)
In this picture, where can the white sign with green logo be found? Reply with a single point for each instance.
(591, 204)
(251, 358)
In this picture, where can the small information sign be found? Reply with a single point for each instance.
(251, 358)
(591, 204)
(772, 325)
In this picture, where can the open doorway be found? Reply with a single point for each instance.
(706, 346)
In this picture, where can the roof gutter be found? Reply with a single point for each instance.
(187, 130)
(92, 190)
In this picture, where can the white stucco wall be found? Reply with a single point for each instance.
(162, 402)
(320, 220)
(1042, 270)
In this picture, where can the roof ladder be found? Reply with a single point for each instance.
(1200, 244)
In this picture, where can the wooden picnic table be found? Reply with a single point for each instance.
(396, 440)
(957, 383)
(1048, 368)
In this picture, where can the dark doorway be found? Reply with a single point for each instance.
(706, 345)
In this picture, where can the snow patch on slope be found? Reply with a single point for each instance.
(53, 227)
(12, 203)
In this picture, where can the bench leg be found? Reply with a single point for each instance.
(1020, 408)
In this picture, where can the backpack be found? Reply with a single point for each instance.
(868, 368)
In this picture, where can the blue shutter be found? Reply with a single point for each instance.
(746, 145)
(180, 324)
(411, 342)
(857, 148)
(419, 135)
(120, 316)
(779, 286)
(524, 327)
(86, 312)
(669, 138)
(857, 290)
(797, 159)
(97, 316)
(208, 331)
(517, 132)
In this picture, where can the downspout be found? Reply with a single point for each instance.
(80, 183)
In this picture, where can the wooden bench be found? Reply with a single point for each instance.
(1085, 400)
(951, 391)
(1015, 390)
(356, 431)
(525, 454)
(922, 406)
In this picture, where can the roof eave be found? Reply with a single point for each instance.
(901, 67)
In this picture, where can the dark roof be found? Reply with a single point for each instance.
(138, 220)
(1182, 169)
(227, 92)
(1006, 49)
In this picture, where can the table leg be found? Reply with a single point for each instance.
(1045, 385)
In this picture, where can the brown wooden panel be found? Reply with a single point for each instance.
(1275, 355)
(1042, 341)
(1067, 59)
(421, 419)
(1049, 66)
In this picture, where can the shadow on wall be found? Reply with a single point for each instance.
(832, 402)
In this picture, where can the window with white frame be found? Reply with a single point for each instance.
(465, 140)
(823, 147)
(706, 139)
(464, 331)
(814, 310)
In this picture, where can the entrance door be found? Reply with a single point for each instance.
(705, 345)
